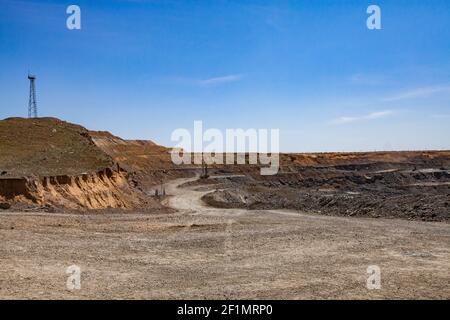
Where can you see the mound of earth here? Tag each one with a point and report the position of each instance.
(47, 147)
(149, 163)
(46, 162)
(133, 155)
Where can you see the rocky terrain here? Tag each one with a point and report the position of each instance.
(201, 252)
(70, 196)
(402, 190)
(147, 163)
(48, 164)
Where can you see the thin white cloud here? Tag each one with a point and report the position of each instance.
(208, 82)
(370, 116)
(440, 116)
(379, 114)
(220, 80)
(419, 93)
(367, 79)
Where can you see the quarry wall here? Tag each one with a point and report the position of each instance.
(103, 189)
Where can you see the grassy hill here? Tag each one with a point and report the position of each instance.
(47, 146)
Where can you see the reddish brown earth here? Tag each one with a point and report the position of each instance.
(51, 163)
(201, 252)
(148, 164)
(307, 232)
(48, 164)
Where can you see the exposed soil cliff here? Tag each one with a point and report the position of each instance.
(100, 190)
(47, 162)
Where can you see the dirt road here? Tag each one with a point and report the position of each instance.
(202, 252)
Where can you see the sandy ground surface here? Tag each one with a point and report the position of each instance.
(203, 252)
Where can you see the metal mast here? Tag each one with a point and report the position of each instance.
(32, 106)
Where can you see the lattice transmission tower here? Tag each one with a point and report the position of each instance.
(32, 105)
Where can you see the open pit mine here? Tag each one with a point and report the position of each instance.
(140, 227)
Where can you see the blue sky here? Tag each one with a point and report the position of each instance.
(142, 68)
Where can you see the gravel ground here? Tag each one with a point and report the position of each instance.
(201, 252)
